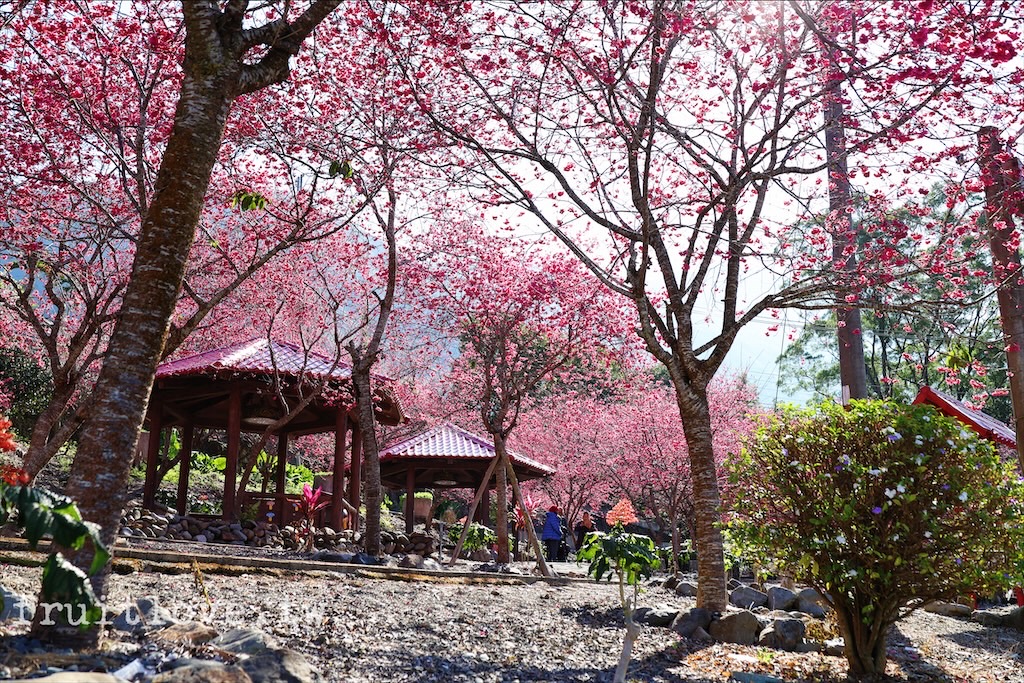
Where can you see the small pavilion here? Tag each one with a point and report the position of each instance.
(447, 457)
(236, 389)
(986, 426)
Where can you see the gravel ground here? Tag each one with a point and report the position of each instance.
(359, 630)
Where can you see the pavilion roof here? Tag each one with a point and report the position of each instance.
(257, 356)
(450, 441)
(986, 426)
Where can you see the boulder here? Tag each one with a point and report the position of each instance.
(809, 601)
(701, 636)
(77, 677)
(747, 677)
(687, 623)
(1014, 619)
(145, 615)
(433, 565)
(781, 598)
(741, 628)
(201, 671)
(660, 615)
(686, 589)
(189, 632)
(411, 561)
(247, 641)
(746, 597)
(948, 609)
(15, 606)
(783, 634)
(280, 666)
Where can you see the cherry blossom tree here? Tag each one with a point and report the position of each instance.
(87, 128)
(576, 434)
(669, 127)
(652, 464)
(520, 313)
(230, 51)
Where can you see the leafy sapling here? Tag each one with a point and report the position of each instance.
(629, 557)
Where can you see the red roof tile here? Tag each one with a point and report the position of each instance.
(985, 425)
(256, 356)
(449, 441)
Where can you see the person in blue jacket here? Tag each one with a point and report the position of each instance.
(552, 533)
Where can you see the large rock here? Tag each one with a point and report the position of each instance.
(76, 677)
(15, 606)
(948, 609)
(247, 641)
(661, 615)
(189, 632)
(686, 589)
(809, 601)
(670, 582)
(784, 634)
(687, 623)
(746, 597)
(145, 615)
(781, 598)
(280, 666)
(1014, 619)
(741, 628)
(204, 672)
(411, 561)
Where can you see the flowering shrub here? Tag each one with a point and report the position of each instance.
(622, 513)
(881, 507)
(43, 513)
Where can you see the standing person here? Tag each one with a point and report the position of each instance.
(552, 533)
(583, 527)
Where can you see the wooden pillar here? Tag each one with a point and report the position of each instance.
(152, 455)
(234, 442)
(185, 465)
(338, 480)
(280, 512)
(410, 498)
(356, 475)
(483, 512)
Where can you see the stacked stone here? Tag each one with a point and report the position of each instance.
(140, 523)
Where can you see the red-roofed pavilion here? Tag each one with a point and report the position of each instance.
(447, 456)
(986, 426)
(235, 389)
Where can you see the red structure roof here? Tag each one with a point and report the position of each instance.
(450, 441)
(260, 356)
(449, 456)
(985, 425)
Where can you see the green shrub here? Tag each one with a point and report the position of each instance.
(478, 537)
(881, 507)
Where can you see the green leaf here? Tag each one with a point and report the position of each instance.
(341, 168)
(66, 584)
(245, 200)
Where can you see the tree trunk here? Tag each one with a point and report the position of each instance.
(865, 644)
(501, 499)
(852, 373)
(371, 453)
(99, 474)
(712, 592)
(51, 431)
(676, 543)
(1000, 174)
